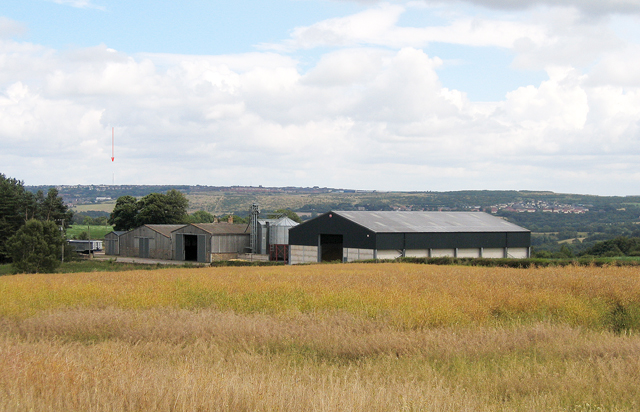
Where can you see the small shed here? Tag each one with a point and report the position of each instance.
(112, 242)
(207, 242)
(359, 235)
(148, 241)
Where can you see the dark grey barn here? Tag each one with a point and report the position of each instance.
(350, 236)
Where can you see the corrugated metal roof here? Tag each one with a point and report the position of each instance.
(117, 232)
(429, 222)
(165, 230)
(281, 221)
(223, 228)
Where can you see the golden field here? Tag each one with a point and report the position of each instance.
(357, 337)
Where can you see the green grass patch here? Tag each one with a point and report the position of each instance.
(6, 269)
(97, 232)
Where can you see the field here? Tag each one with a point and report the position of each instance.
(357, 337)
(99, 207)
(97, 232)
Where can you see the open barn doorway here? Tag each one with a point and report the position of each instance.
(330, 248)
(191, 248)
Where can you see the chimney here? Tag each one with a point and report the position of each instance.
(230, 218)
(216, 220)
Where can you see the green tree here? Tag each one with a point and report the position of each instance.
(154, 208)
(201, 216)
(157, 208)
(13, 202)
(236, 219)
(53, 208)
(83, 236)
(36, 247)
(286, 212)
(124, 213)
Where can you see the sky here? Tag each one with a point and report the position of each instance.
(418, 95)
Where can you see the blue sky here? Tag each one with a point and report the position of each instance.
(396, 95)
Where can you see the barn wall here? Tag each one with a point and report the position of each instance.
(353, 254)
(518, 252)
(417, 253)
(111, 244)
(303, 254)
(230, 243)
(468, 253)
(443, 252)
(494, 253)
(388, 254)
(160, 246)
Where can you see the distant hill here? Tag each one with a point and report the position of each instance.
(576, 220)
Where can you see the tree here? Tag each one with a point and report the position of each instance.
(13, 201)
(201, 216)
(36, 247)
(155, 208)
(18, 206)
(124, 213)
(83, 236)
(53, 208)
(288, 213)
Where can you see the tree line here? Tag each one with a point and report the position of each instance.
(31, 227)
(169, 208)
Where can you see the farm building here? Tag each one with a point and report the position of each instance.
(112, 242)
(273, 237)
(148, 241)
(358, 235)
(207, 242)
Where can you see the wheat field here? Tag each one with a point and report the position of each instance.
(354, 337)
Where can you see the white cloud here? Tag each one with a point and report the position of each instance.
(378, 27)
(81, 4)
(594, 7)
(10, 28)
(362, 116)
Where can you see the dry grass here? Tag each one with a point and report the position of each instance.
(320, 338)
(405, 295)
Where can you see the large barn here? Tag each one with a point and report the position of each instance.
(349, 236)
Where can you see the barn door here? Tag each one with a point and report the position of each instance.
(202, 248)
(179, 251)
(144, 247)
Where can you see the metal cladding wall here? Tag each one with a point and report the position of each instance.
(160, 246)
(112, 244)
(354, 236)
(450, 240)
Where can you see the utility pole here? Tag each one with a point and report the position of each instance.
(63, 239)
